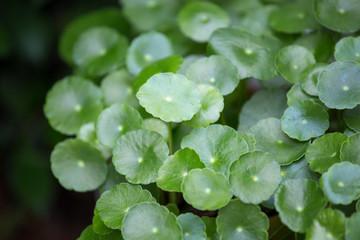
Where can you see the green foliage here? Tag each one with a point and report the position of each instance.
(157, 90)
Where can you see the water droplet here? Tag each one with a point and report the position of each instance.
(207, 190)
(140, 159)
(340, 184)
(120, 128)
(345, 88)
(81, 163)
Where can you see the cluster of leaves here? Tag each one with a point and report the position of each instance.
(150, 83)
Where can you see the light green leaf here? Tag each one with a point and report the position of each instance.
(324, 151)
(150, 221)
(147, 15)
(198, 20)
(254, 177)
(100, 50)
(211, 232)
(309, 78)
(239, 221)
(249, 139)
(296, 94)
(293, 17)
(216, 71)
(117, 88)
(98, 225)
(338, 85)
(217, 146)
(192, 227)
(176, 167)
(156, 125)
(348, 49)
(139, 154)
(352, 230)
(170, 97)
(146, 49)
(116, 202)
(206, 189)
(270, 138)
(329, 224)
(350, 149)
(298, 202)
(305, 120)
(78, 165)
(340, 15)
(115, 121)
(72, 102)
(292, 60)
(188, 61)
(211, 104)
(168, 64)
(341, 183)
(352, 118)
(254, 56)
(263, 104)
(110, 17)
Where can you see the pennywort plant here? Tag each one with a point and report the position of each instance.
(213, 119)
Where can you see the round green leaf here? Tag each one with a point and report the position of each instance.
(350, 150)
(263, 104)
(309, 78)
(188, 61)
(216, 71)
(192, 227)
(113, 178)
(78, 165)
(298, 202)
(254, 177)
(320, 43)
(148, 15)
(352, 118)
(211, 232)
(110, 17)
(206, 189)
(254, 56)
(292, 60)
(324, 151)
(176, 167)
(99, 51)
(198, 20)
(133, 149)
(249, 139)
(139, 154)
(89, 234)
(211, 104)
(294, 17)
(150, 221)
(217, 146)
(116, 202)
(117, 88)
(72, 102)
(168, 64)
(296, 94)
(156, 125)
(352, 230)
(115, 121)
(270, 138)
(98, 225)
(348, 49)
(329, 224)
(340, 15)
(338, 85)
(305, 120)
(242, 221)
(341, 183)
(146, 49)
(170, 97)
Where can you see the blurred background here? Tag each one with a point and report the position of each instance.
(32, 203)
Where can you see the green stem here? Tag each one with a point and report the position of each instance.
(330, 205)
(170, 139)
(273, 234)
(223, 118)
(173, 197)
(286, 236)
(296, 236)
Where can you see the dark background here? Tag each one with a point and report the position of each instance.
(32, 203)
